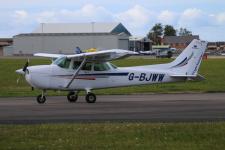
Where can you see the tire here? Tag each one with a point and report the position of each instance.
(90, 98)
(41, 99)
(169, 54)
(72, 97)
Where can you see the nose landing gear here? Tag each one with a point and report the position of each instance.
(41, 98)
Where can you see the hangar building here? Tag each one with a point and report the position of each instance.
(64, 37)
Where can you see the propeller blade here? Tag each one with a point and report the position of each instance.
(18, 79)
(25, 66)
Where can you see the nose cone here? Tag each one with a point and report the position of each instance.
(20, 71)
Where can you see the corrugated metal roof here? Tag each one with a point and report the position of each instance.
(66, 34)
(92, 27)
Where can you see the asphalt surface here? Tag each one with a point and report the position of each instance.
(150, 108)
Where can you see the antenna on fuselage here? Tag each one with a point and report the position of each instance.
(78, 50)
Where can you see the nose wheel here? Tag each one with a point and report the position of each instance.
(90, 98)
(41, 98)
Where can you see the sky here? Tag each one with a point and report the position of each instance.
(203, 17)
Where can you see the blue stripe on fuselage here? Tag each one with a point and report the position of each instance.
(100, 74)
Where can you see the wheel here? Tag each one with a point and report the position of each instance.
(90, 98)
(72, 97)
(41, 99)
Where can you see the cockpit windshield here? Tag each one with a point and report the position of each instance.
(62, 62)
(113, 66)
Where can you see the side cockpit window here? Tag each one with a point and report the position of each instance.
(63, 62)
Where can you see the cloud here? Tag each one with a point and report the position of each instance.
(87, 13)
(192, 17)
(167, 17)
(46, 16)
(136, 18)
(221, 18)
(19, 16)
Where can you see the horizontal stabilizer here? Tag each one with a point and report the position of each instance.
(190, 77)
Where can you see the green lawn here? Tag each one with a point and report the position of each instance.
(106, 136)
(165, 136)
(212, 69)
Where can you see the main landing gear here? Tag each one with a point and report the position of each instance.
(90, 98)
(71, 97)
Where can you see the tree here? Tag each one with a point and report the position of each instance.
(155, 33)
(184, 32)
(169, 31)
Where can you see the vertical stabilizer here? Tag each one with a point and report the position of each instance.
(188, 62)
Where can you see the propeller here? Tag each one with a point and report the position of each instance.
(25, 66)
(22, 71)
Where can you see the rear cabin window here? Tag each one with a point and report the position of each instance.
(101, 67)
(76, 64)
(87, 66)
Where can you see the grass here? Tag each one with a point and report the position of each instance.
(165, 136)
(212, 69)
(110, 136)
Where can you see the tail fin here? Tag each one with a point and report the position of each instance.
(188, 62)
(78, 50)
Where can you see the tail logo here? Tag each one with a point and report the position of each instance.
(184, 61)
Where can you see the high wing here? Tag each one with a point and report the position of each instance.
(104, 55)
(48, 55)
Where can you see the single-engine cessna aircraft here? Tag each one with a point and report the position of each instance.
(88, 71)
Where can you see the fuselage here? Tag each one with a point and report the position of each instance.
(94, 76)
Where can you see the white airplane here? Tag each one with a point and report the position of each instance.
(88, 71)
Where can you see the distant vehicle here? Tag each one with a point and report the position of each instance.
(173, 49)
(88, 71)
(161, 53)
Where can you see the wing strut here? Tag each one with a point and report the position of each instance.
(76, 73)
